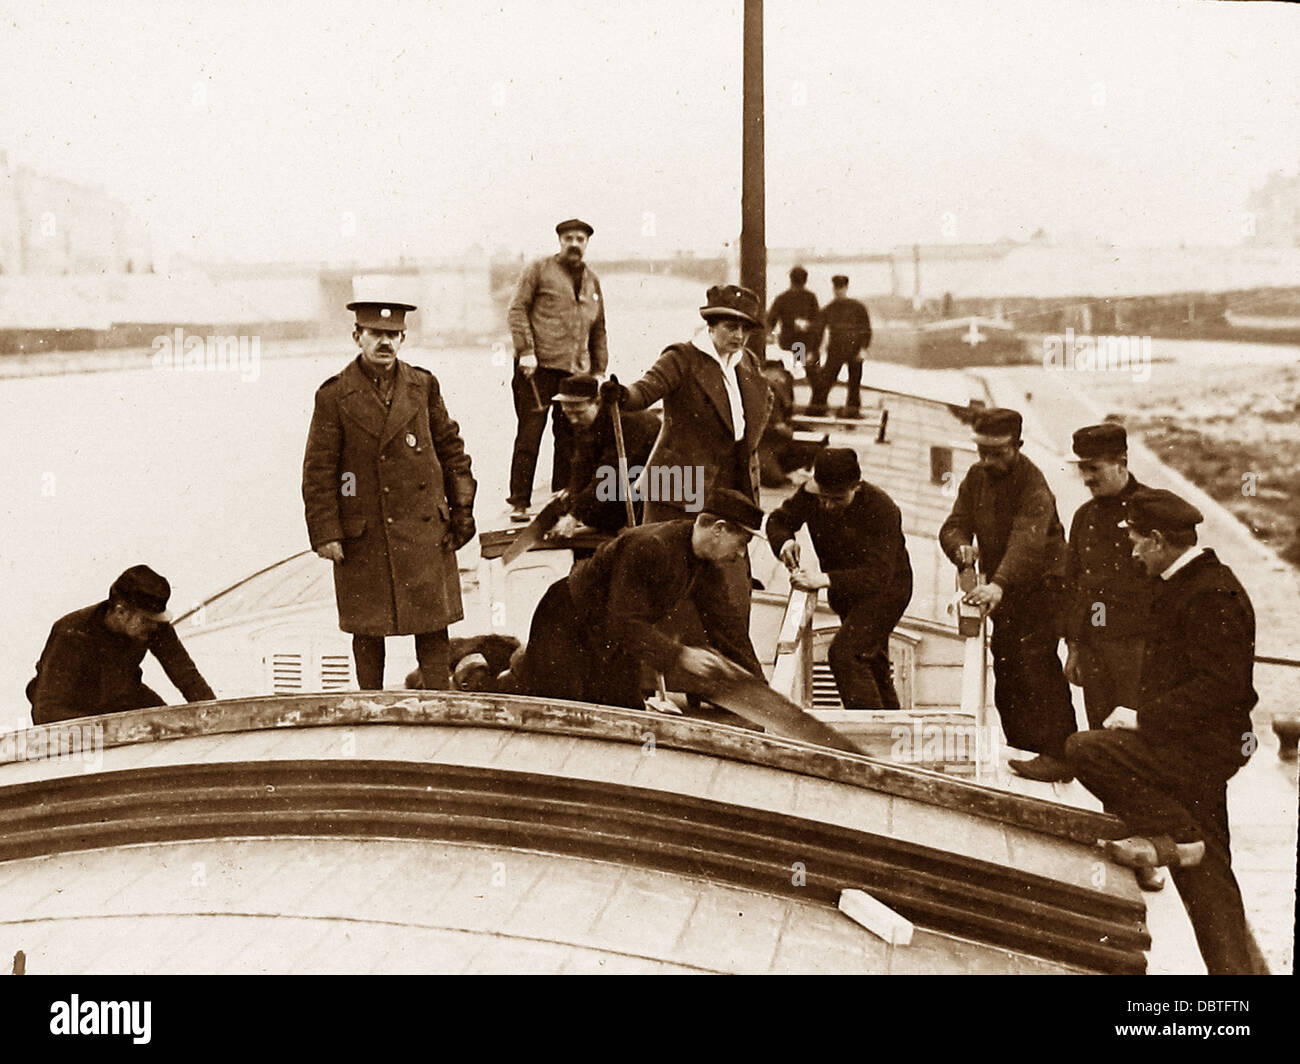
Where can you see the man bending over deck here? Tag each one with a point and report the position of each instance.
(857, 531)
(594, 628)
(91, 662)
(1163, 765)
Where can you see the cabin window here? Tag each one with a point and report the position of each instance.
(940, 465)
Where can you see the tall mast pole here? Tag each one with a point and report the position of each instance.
(753, 220)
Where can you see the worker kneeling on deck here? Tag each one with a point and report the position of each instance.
(91, 662)
(593, 629)
(857, 532)
(595, 493)
(1163, 765)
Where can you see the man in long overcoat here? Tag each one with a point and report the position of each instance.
(389, 498)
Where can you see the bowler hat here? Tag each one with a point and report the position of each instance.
(732, 301)
(1091, 442)
(834, 472)
(1154, 509)
(387, 317)
(578, 388)
(998, 426)
(144, 590)
(736, 508)
(573, 223)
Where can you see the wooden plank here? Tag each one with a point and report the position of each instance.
(876, 917)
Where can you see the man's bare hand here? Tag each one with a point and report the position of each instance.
(986, 595)
(1123, 718)
(703, 663)
(331, 551)
(527, 364)
(806, 581)
(790, 555)
(565, 527)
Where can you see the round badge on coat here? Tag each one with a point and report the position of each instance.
(410, 439)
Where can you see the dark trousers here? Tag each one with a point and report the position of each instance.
(1161, 790)
(826, 377)
(528, 435)
(859, 653)
(559, 662)
(1029, 686)
(432, 651)
(1111, 671)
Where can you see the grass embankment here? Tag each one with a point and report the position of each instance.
(1234, 432)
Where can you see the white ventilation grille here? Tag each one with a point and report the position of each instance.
(286, 673)
(825, 695)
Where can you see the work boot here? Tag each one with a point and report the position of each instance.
(1042, 768)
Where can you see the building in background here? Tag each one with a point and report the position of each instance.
(50, 226)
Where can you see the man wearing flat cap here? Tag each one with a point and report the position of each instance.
(595, 498)
(1162, 765)
(1108, 591)
(1005, 506)
(857, 532)
(557, 325)
(389, 498)
(594, 629)
(848, 335)
(91, 661)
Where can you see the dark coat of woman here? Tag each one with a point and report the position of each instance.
(383, 481)
(698, 432)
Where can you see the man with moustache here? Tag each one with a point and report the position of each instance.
(1162, 765)
(389, 499)
(1108, 591)
(857, 532)
(1005, 506)
(557, 324)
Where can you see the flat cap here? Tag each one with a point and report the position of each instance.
(143, 589)
(998, 426)
(578, 388)
(1154, 509)
(573, 223)
(839, 281)
(835, 470)
(389, 317)
(736, 508)
(1107, 440)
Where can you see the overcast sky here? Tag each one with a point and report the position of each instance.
(363, 129)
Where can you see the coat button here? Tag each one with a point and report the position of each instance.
(390, 520)
(387, 489)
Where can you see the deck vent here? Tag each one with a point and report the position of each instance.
(286, 672)
(825, 695)
(335, 672)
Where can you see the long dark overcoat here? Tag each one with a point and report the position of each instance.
(698, 430)
(383, 482)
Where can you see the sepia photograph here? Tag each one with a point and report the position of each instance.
(763, 487)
